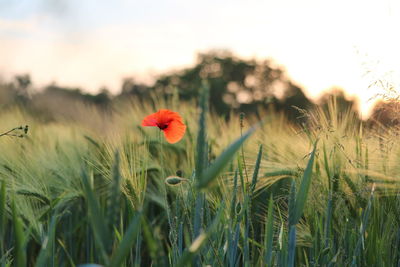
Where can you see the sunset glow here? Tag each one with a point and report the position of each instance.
(91, 44)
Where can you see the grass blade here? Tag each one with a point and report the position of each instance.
(256, 170)
(292, 246)
(19, 250)
(151, 243)
(114, 199)
(233, 246)
(212, 172)
(3, 205)
(269, 233)
(198, 213)
(304, 187)
(127, 241)
(292, 204)
(201, 153)
(200, 241)
(96, 217)
(46, 252)
(234, 196)
(363, 227)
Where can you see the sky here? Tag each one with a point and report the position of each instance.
(91, 44)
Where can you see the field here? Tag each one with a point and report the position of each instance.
(104, 190)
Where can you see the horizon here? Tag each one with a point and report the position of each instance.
(97, 44)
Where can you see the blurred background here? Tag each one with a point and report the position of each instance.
(283, 55)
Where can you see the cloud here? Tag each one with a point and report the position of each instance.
(7, 25)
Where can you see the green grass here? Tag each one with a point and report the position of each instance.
(103, 190)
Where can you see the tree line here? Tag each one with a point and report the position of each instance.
(236, 85)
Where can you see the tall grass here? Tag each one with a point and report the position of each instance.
(112, 193)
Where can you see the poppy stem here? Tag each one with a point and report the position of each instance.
(164, 187)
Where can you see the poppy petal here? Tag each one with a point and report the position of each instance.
(170, 122)
(166, 115)
(151, 120)
(175, 131)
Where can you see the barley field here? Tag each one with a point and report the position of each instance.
(246, 191)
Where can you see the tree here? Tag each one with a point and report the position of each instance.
(235, 84)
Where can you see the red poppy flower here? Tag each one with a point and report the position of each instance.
(169, 122)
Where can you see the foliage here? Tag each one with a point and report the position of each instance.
(235, 84)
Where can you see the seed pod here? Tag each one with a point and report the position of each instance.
(174, 180)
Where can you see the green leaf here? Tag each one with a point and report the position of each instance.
(256, 170)
(46, 251)
(212, 172)
(127, 241)
(3, 203)
(234, 196)
(96, 217)
(304, 187)
(200, 241)
(114, 200)
(151, 243)
(292, 246)
(292, 204)
(201, 153)
(269, 233)
(326, 164)
(363, 227)
(20, 251)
